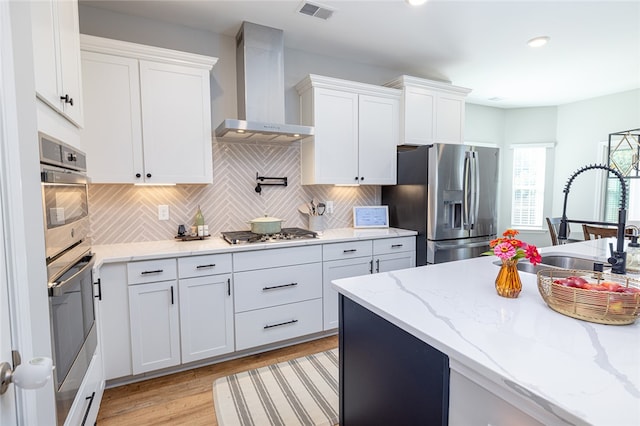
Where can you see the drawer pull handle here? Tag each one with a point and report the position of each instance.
(350, 251)
(371, 266)
(157, 271)
(86, 412)
(274, 287)
(211, 265)
(377, 265)
(396, 245)
(280, 324)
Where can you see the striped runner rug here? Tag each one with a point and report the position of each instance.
(303, 391)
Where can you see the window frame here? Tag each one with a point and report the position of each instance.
(541, 204)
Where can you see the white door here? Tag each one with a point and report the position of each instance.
(176, 123)
(206, 317)
(8, 400)
(155, 329)
(378, 131)
(335, 270)
(336, 138)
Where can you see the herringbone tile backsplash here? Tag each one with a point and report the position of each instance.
(128, 213)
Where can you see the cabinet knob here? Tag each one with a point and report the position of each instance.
(355, 178)
(148, 175)
(138, 175)
(67, 99)
(361, 177)
(72, 157)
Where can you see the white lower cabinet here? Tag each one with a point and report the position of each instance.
(278, 295)
(355, 258)
(114, 325)
(161, 313)
(155, 329)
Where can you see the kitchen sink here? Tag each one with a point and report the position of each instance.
(555, 261)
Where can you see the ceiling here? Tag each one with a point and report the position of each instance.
(594, 46)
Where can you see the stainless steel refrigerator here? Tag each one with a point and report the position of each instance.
(448, 194)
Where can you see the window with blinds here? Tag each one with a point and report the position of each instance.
(527, 201)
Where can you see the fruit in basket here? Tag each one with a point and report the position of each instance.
(573, 281)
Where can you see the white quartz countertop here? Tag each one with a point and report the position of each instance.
(127, 252)
(561, 369)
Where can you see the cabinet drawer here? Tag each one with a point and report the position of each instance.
(199, 266)
(392, 245)
(272, 258)
(264, 326)
(277, 286)
(151, 271)
(346, 250)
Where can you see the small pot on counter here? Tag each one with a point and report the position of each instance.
(266, 225)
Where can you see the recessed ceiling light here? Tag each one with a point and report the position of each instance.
(416, 2)
(538, 41)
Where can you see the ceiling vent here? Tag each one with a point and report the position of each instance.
(315, 10)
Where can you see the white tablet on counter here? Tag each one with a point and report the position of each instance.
(371, 217)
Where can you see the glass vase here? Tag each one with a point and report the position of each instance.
(508, 282)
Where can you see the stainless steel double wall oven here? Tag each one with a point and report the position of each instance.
(69, 267)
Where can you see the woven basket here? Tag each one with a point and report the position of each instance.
(599, 306)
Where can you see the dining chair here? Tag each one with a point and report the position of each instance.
(598, 232)
(554, 228)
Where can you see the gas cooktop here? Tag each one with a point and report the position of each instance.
(241, 237)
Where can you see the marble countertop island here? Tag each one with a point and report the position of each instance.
(557, 369)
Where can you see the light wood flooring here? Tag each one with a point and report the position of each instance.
(186, 398)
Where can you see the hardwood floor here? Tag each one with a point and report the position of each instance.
(186, 398)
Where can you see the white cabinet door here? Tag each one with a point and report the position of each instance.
(334, 270)
(155, 331)
(56, 55)
(335, 160)
(206, 317)
(45, 57)
(113, 321)
(395, 261)
(113, 134)
(70, 60)
(378, 135)
(450, 118)
(419, 116)
(176, 123)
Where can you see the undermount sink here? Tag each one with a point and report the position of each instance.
(556, 261)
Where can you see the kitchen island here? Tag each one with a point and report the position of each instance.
(510, 361)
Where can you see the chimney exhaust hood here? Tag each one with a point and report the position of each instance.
(260, 80)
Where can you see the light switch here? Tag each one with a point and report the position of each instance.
(329, 206)
(163, 212)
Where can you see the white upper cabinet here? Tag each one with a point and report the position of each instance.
(147, 113)
(356, 132)
(430, 111)
(56, 57)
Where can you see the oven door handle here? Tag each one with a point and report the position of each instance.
(58, 289)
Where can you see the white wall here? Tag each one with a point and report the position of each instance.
(582, 127)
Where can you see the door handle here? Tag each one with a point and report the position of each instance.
(99, 296)
(172, 295)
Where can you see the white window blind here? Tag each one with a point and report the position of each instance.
(527, 199)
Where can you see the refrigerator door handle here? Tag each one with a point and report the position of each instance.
(475, 190)
(466, 192)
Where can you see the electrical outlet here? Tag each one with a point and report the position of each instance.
(329, 206)
(163, 212)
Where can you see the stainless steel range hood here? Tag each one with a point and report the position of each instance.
(260, 76)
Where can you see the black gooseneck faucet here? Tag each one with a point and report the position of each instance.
(618, 259)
